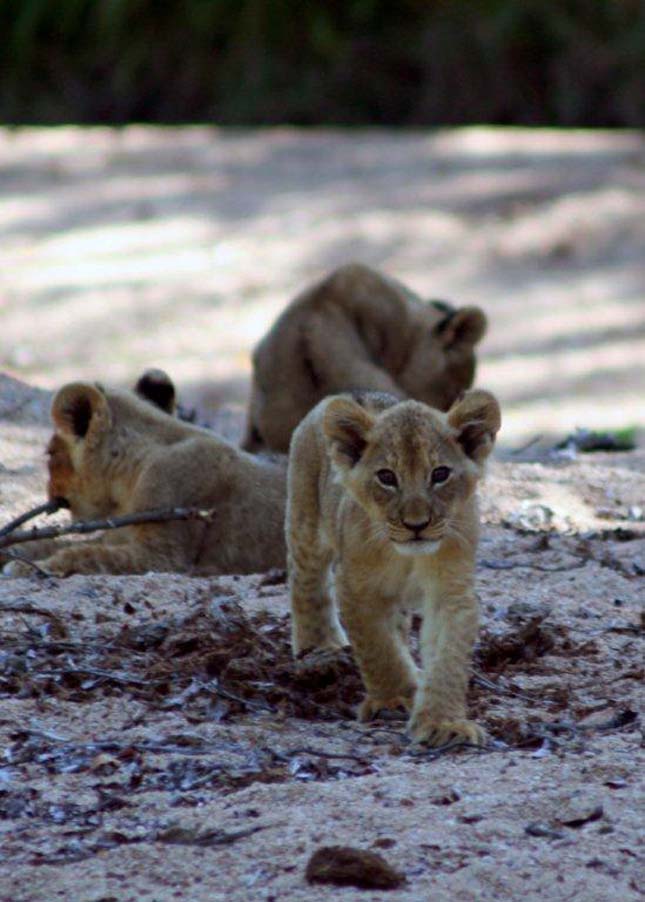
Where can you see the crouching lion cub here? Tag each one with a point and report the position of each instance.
(384, 492)
(119, 452)
(358, 329)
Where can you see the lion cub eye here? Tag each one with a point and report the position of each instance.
(387, 478)
(440, 474)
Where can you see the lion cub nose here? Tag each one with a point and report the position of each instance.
(417, 526)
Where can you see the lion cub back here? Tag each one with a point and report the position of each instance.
(358, 329)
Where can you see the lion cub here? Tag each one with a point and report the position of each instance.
(118, 452)
(384, 492)
(358, 329)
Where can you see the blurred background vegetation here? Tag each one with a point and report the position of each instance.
(407, 62)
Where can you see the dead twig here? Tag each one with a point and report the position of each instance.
(430, 753)
(174, 835)
(18, 557)
(185, 836)
(28, 609)
(49, 507)
(517, 565)
(527, 445)
(247, 702)
(81, 527)
(570, 729)
(101, 674)
(320, 753)
(480, 680)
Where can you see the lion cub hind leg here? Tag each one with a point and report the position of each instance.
(314, 618)
(116, 557)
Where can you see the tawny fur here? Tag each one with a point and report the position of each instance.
(393, 548)
(114, 453)
(358, 329)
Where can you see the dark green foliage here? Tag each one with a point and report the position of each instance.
(564, 62)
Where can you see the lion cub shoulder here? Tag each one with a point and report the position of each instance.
(358, 329)
(385, 490)
(115, 453)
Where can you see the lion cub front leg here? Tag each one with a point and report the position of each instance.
(376, 634)
(314, 618)
(449, 630)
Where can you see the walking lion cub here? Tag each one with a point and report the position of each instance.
(384, 492)
(117, 452)
(358, 329)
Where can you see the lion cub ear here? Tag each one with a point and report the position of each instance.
(465, 327)
(79, 409)
(346, 425)
(476, 417)
(157, 387)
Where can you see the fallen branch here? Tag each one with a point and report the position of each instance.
(49, 507)
(82, 527)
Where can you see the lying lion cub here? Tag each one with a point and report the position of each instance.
(358, 329)
(114, 453)
(385, 492)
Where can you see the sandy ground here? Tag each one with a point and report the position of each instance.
(157, 742)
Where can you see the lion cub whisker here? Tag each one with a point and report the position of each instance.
(340, 515)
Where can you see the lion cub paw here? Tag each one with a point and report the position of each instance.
(436, 732)
(17, 569)
(370, 706)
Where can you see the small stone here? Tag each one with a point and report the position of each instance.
(539, 829)
(345, 866)
(471, 817)
(580, 811)
(616, 783)
(532, 517)
(384, 842)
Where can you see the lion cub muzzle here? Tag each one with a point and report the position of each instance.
(416, 546)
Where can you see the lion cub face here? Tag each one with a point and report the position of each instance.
(411, 467)
(86, 452)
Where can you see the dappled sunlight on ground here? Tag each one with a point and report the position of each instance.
(177, 247)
